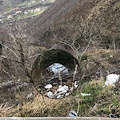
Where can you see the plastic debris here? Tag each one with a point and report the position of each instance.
(111, 56)
(56, 67)
(62, 88)
(112, 79)
(72, 114)
(48, 86)
(62, 92)
(67, 94)
(85, 94)
(60, 96)
(49, 94)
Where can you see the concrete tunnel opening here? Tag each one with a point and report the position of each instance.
(55, 73)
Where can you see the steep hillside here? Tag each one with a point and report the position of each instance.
(81, 21)
(8, 4)
(48, 17)
(20, 9)
(91, 29)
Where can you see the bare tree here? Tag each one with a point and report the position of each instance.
(18, 52)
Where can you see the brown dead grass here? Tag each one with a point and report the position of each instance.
(38, 105)
(41, 104)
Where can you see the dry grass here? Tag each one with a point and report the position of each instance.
(36, 107)
(102, 102)
(101, 99)
(6, 110)
(40, 104)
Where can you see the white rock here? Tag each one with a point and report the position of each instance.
(112, 79)
(49, 94)
(48, 86)
(85, 94)
(56, 67)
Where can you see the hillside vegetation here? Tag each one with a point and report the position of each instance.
(79, 21)
(89, 30)
(102, 101)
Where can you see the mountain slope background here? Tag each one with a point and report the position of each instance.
(9, 4)
(80, 21)
(12, 10)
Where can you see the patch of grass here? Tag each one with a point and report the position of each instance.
(102, 101)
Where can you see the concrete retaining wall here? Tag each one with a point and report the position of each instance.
(57, 118)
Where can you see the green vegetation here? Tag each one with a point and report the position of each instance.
(102, 101)
(88, 27)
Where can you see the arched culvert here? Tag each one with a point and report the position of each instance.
(55, 73)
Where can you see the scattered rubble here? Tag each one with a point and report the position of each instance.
(59, 91)
(59, 82)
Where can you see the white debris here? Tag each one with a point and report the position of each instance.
(49, 94)
(67, 94)
(75, 84)
(48, 86)
(18, 80)
(30, 95)
(111, 56)
(73, 114)
(85, 94)
(112, 79)
(56, 67)
(62, 92)
(62, 88)
(60, 96)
